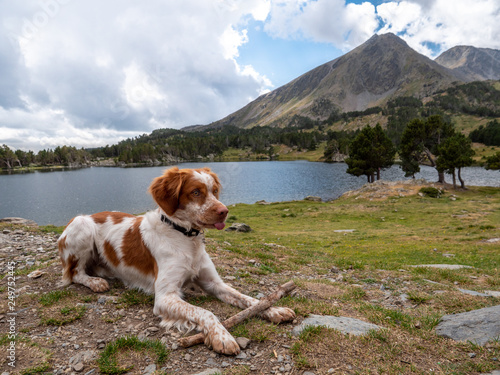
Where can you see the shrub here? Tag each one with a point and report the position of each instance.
(431, 192)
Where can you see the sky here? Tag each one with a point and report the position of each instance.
(90, 73)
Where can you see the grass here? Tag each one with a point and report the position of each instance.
(132, 297)
(63, 316)
(51, 298)
(412, 228)
(108, 359)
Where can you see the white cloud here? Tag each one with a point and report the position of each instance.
(325, 21)
(121, 65)
(419, 22)
(443, 23)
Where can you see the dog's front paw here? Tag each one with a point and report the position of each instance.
(98, 284)
(278, 314)
(221, 341)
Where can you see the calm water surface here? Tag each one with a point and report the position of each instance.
(56, 197)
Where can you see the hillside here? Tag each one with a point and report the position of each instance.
(471, 63)
(384, 67)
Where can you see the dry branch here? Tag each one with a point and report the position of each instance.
(262, 305)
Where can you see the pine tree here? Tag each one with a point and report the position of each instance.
(455, 153)
(370, 152)
(420, 141)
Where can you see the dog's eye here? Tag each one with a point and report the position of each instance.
(216, 191)
(196, 193)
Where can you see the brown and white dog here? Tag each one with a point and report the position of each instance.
(161, 252)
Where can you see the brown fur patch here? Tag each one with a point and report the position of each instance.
(117, 217)
(135, 252)
(61, 244)
(70, 267)
(110, 253)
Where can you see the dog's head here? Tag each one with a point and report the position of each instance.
(190, 195)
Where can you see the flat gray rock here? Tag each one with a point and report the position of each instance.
(474, 293)
(444, 266)
(345, 325)
(477, 326)
(209, 371)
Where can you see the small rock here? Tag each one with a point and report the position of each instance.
(472, 355)
(242, 355)
(78, 367)
(259, 296)
(242, 342)
(149, 369)
(239, 227)
(188, 357)
(225, 364)
(211, 362)
(313, 198)
(209, 371)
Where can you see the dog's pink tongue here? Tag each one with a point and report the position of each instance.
(219, 226)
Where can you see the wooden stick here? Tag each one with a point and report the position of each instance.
(262, 305)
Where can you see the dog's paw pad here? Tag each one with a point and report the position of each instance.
(221, 341)
(97, 284)
(278, 314)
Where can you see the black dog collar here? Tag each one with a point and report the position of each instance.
(189, 233)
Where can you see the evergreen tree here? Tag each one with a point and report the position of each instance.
(455, 153)
(370, 152)
(420, 141)
(7, 157)
(493, 162)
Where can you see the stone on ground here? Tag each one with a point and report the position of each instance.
(343, 324)
(443, 266)
(477, 326)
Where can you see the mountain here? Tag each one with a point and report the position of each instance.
(471, 63)
(382, 68)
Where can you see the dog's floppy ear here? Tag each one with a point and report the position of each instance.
(166, 190)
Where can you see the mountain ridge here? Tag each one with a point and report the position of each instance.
(382, 68)
(470, 63)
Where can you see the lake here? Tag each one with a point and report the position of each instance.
(55, 197)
